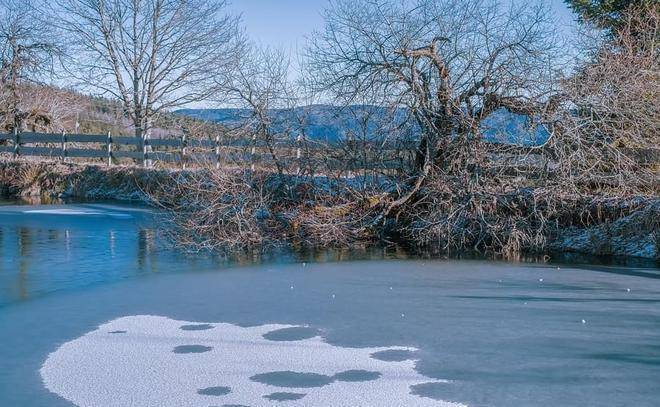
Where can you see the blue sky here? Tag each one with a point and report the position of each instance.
(285, 23)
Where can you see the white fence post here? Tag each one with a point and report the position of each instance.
(64, 145)
(146, 149)
(109, 145)
(184, 150)
(298, 153)
(17, 142)
(253, 152)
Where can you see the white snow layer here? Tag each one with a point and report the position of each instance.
(151, 361)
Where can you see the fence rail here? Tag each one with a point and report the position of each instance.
(293, 152)
(109, 147)
(182, 151)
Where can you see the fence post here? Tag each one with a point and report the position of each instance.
(109, 149)
(64, 145)
(17, 140)
(298, 153)
(217, 152)
(184, 150)
(351, 148)
(146, 148)
(253, 152)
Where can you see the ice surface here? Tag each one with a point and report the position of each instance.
(78, 212)
(141, 367)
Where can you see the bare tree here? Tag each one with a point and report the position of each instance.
(152, 55)
(611, 128)
(50, 109)
(27, 53)
(451, 63)
(261, 87)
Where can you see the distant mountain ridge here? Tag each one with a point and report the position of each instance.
(332, 123)
(322, 122)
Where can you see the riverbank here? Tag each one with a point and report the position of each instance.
(49, 180)
(613, 227)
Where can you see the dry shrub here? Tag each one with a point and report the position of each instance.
(27, 176)
(228, 211)
(31, 178)
(485, 218)
(334, 221)
(215, 210)
(608, 136)
(495, 218)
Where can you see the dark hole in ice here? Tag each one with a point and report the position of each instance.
(393, 355)
(284, 396)
(214, 391)
(292, 379)
(117, 332)
(432, 390)
(356, 376)
(192, 349)
(200, 327)
(291, 334)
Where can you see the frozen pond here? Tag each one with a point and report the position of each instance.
(94, 312)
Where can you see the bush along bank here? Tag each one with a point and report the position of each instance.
(50, 180)
(228, 210)
(236, 210)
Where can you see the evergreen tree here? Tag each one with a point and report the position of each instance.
(605, 14)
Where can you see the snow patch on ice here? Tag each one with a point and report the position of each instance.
(242, 367)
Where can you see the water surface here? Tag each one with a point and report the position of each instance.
(501, 334)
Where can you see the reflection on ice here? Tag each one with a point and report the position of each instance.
(78, 212)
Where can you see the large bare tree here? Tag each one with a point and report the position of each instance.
(451, 63)
(152, 55)
(27, 54)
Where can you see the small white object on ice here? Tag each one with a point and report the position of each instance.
(391, 288)
(304, 264)
(292, 287)
(628, 289)
(499, 281)
(333, 296)
(584, 322)
(540, 280)
(403, 315)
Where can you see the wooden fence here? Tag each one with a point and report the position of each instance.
(183, 151)
(293, 153)
(111, 148)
